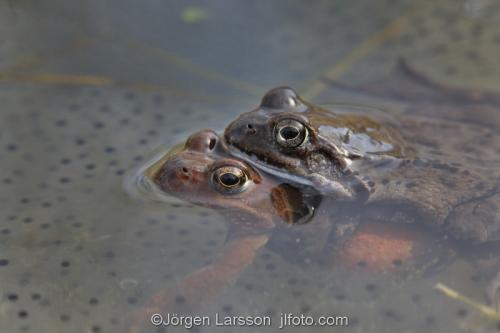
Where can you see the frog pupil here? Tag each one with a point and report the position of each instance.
(289, 133)
(229, 179)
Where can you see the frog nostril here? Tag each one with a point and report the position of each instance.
(251, 129)
(184, 170)
(212, 143)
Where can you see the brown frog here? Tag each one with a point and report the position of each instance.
(296, 140)
(200, 173)
(399, 168)
(259, 208)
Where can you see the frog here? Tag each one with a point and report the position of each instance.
(439, 171)
(261, 209)
(199, 172)
(311, 145)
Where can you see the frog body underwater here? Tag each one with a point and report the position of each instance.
(261, 209)
(440, 171)
(435, 169)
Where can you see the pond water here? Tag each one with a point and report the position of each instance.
(91, 90)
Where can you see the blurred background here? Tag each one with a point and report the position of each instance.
(88, 89)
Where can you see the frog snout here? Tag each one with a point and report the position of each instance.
(251, 129)
(177, 177)
(237, 133)
(187, 176)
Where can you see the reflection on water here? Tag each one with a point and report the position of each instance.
(90, 90)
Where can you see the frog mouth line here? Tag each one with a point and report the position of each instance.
(271, 170)
(343, 190)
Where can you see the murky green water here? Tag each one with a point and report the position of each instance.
(88, 90)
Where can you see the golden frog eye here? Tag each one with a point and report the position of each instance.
(229, 179)
(290, 133)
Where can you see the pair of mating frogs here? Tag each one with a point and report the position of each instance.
(292, 167)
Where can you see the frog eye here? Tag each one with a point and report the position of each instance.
(290, 133)
(229, 179)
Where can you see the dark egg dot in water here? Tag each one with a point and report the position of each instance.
(22, 314)
(270, 267)
(79, 141)
(12, 297)
(137, 110)
(183, 232)
(390, 314)
(461, 313)
(362, 263)
(109, 255)
(64, 180)
(152, 221)
(397, 262)
(305, 308)
(109, 150)
(371, 287)
(11, 147)
(124, 121)
(61, 123)
(158, 99)
(129, 95)
(64, 317)
(4, 262)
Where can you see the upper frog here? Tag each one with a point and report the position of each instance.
(403, 167)
(296, 139)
